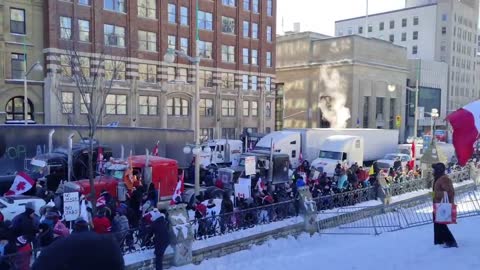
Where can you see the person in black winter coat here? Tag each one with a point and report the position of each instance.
(81, 251)
(24, 224)
(226, 211)
(7, 248)
(45, 235)
(161, 239)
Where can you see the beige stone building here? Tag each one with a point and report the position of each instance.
(21, 37)
(332, 81)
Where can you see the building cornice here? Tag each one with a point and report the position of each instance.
(346, 62)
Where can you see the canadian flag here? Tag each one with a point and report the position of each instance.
(178, 190)
(21, 184)
(466, 128)
(411, 163)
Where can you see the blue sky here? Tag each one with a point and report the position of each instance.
(320, 15)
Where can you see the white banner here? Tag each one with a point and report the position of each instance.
(250, 168)
(242, 191)
(71, 206)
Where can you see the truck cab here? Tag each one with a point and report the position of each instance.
(283, 142)
(222, 152)
(338, 149)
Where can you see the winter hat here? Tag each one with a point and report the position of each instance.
(21, 241)
(30, 205)
(439, 168)
(86, 250)
(81, 225)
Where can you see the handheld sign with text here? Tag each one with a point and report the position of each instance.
(71, 206)
(250, 168)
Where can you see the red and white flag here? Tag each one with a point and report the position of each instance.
(411, 163)
(466, 129)
(21, 184)
(155, 150)
(178, 190)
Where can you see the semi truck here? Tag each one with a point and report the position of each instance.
(305, 144)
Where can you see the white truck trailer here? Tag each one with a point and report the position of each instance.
(308, 142)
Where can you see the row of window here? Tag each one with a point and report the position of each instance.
(227, 133)
(251, 5)
(391, 37)
(253, 31)
(381, 26)
(116, 104)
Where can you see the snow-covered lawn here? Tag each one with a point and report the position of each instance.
(402, 250)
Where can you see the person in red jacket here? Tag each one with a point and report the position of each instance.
(101, 224)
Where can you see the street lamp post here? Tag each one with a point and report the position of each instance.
(392, 88)
(37, 66)
(170, 57)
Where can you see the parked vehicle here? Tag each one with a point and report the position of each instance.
(389, 159)
(222, 153)
(11, 206)
(305, 144)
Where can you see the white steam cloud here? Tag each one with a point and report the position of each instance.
(332, 101)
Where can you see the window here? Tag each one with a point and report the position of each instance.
(246, 108)
(228, 54)
(404, 36)
(147, 8)
(392, 24)
(114, 5)
(269, 7)
(254, 80)
(148, 105)
(206, 78)
(84, 2)
(360, 30)
(246, 29)
(228, 3)
(228, 107)
(184, 15)
(17, 21)
(116, 104)
(177, 107)
(444, 30)
(184, 44)
(254, 57)
(404, 22)
(84, 102)
(381, 26)
(414, 49)
(228, 133)
(147, 73)
(114, 70)
(172, 42)
(147, 41)
(268, 109)
(206, 107)
(206, 134)
(268, 84)
(228, 80)
(228, 25)
(269, 33)
(246, 5)
(182, 74)
(415, 20)
(246, 56)
(268, 59)
(172, 13)
(254, 106)
(244, 82)
(391, 38)
(370, 28)
(205, 49)
(444, 17)
(415, 35)
(254, 30)
(114, 35)
(15, 109)
(205, 20)
(84, 64)
(17, 65)
(66, 65)
(84, 30)
(67, 102)
(65, 27)
(255, 6)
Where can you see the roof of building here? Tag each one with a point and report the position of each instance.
(387, 12)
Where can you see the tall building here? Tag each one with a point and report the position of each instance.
(237, 68)
(432, 30)
(21, 44)
(348, 81)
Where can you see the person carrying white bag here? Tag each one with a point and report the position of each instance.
(443, 199)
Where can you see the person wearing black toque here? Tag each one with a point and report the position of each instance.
(81, 251)
(441, 184)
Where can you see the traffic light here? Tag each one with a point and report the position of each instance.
(398, 121)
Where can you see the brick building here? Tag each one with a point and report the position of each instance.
(236, 45)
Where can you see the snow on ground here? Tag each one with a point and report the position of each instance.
(400, 250)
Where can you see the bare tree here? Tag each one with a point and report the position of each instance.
(93, 85)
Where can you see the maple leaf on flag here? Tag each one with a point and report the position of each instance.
(20, 186)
